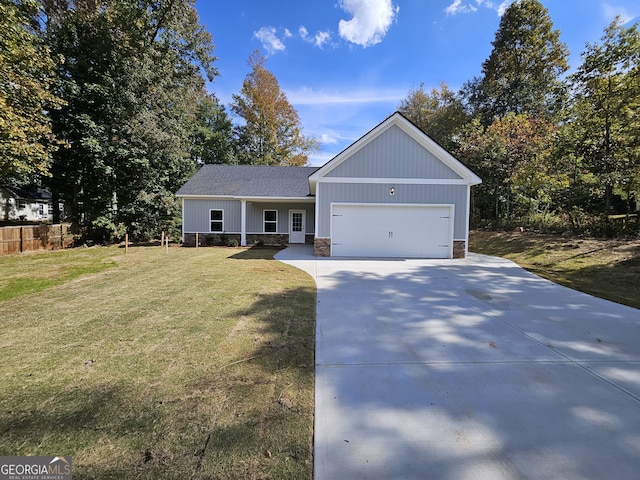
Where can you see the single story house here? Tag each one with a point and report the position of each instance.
(393, 193)
(31, 204)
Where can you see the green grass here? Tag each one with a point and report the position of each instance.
(608, 269)
(193, 364)
(36, 271)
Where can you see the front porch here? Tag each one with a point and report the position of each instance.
(247, 222)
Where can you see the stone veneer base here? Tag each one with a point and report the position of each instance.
(322, 247)
(217, 239)
(459, 248)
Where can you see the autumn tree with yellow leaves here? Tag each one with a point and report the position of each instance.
(271, 133)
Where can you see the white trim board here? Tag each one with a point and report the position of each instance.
(399, 181)
(250, 199)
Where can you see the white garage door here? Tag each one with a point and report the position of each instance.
(366, 230)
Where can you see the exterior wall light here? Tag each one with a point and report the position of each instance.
(392, 191)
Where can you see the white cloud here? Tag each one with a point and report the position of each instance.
(612, 11)
(469, 7)
(328, 138)
(308, 96)
(502, 7)
(287, 33)
(270, 41)
(457, 7)
(370, 20)
(321, 38)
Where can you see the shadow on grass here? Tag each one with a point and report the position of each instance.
(277, 433)
(503, 245)
(617, 282)
(73, 410)
(155, 243)
(605, 269)
(252, 419)
(257, 253)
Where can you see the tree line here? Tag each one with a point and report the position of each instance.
(104, 102)
(557, 151)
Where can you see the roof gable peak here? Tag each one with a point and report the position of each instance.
(399, 120)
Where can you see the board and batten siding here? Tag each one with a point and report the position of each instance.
(394, 154)
(196, 219)
(255, 215)
(329, 193)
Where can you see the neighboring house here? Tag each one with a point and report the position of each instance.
(393, 193)
(31, 204)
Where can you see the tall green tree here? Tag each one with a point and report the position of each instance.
(440, 113)
(132, 78)
(512, 157)
(272, 132)
(522, 73)
(606, 111)
(26, 76)
(213, 137)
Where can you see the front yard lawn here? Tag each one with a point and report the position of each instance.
(196, 363)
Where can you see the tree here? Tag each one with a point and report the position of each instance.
(606, 111)
(272, 132)
(26, 75)
(132, 79)
(522, 73)
(440, 113)
(512, 158)
(212, 136)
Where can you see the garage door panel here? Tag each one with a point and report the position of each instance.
(392, 230)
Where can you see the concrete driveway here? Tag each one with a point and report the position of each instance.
(469, 369)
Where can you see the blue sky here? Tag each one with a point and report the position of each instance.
(345, 65)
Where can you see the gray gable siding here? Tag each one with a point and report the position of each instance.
(393, 154)
(379, 193)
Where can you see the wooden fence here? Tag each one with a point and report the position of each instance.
(35, 237)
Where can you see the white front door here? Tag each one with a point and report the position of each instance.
(297, 220)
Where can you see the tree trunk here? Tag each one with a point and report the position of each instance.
(608, 196)
(55, 203)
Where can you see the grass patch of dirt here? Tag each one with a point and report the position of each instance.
(196, 363)
(608, 269)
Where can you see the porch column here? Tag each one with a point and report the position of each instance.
(243, 223)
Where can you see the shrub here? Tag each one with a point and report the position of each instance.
(209, 240)
(575, 221)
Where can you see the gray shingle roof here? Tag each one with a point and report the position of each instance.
(31, 192)
(249, 181)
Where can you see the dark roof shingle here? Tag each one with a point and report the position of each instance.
(249, 181)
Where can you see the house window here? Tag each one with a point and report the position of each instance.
(22, 204)
(40, 210)
(50, 208)
(270, 221)
(217, 220)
